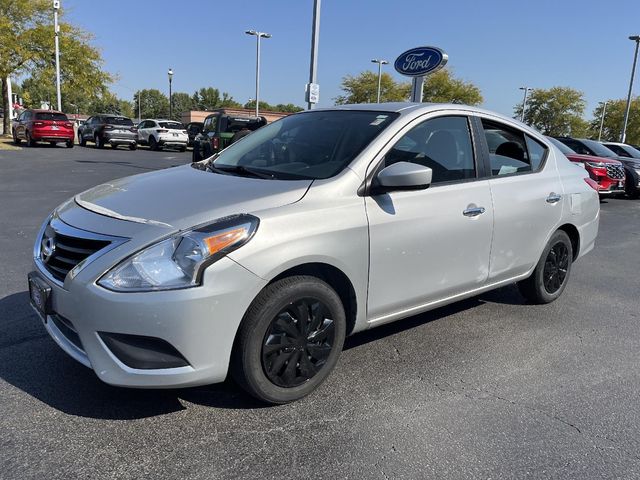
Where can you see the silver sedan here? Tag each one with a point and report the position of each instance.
(260, 260)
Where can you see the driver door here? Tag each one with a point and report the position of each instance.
(432, 244)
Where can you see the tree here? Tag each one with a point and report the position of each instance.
(613, 120)
(556, 111)
(18, 19)
(109, 103)
(441, 87)
(363, 88)
(153, 103)
(181, 102)
(280, 107)
(209, 99)
(27, 45)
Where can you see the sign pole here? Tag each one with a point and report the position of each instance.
(416, 89)
(313, 67)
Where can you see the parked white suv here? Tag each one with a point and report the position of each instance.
(316, 226)
(162, 133)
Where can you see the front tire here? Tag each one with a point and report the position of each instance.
(550, 277)
(195, 153)
(290, 340)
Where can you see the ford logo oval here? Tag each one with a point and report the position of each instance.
(420, 61)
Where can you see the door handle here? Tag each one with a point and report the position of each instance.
(473, 211)
(554, 198)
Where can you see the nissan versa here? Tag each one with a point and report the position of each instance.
(260, 260)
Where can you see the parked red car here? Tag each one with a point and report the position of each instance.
(606, 172)
(42, 126)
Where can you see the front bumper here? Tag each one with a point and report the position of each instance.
(200, 323)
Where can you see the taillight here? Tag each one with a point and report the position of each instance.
(215, 143)
(38, 124)
(108, 127)
(592, 183)
(68, 125)
(161, 130)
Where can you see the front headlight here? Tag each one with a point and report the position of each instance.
(179, 261)
(596, 164)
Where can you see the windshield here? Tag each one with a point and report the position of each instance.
(118, 121)
(59, 117)
(309, 145)
(561, 146)
(599, 149)
(171, 125)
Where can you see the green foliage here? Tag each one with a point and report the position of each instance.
(209, 99)
(363, 88)
(27, 46)
(280, 107)
(153, 103)
(181, 102)
(613, 120)
(109, 103)
(556, 111)
(441, 87)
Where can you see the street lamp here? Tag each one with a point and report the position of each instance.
(258, 36)
(623, 136)
(170, 74)
(524, 102)
(56, 29)
(380, 63)
(604, 112)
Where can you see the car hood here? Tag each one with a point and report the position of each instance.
(575, 157)
(183, 197)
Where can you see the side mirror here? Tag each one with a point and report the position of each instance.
(403, 176)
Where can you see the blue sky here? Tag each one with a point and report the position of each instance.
(499, 45)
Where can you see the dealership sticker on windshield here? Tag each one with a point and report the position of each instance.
(379, 119)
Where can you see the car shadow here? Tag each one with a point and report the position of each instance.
(31, 362)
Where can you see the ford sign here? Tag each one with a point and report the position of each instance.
(420, 61)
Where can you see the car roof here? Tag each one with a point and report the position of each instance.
(160, 120)
(405, 108)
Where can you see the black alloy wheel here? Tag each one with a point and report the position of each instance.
(298, 342)
(555, 267)
(98, 141)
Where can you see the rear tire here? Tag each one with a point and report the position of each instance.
(133, 146)
(98, 141)
(53, 144)
(81, 140)
(290, 340)
(153, 145)
(183, 149)
(69, 143)
(16, 140)
(114, 146)
(550, 277)
(30, 141)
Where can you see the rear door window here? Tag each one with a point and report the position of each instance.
(507, 149)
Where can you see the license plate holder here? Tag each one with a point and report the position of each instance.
(40, 295)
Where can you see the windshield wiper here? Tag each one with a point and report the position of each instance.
(242, 170)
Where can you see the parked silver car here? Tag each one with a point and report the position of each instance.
(260, 260)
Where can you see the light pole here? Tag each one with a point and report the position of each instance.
(524, 102)
(380, 63)
(170, 74)
(258, 36)
(313, 89)
(623, 136)
(56, 28)
(604, 112)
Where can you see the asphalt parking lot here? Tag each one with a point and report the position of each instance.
(487, 388)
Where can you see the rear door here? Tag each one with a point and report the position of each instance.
(527, 194)
(432, 244)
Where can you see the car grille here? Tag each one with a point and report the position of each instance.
(615, 171)
(60, 253)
